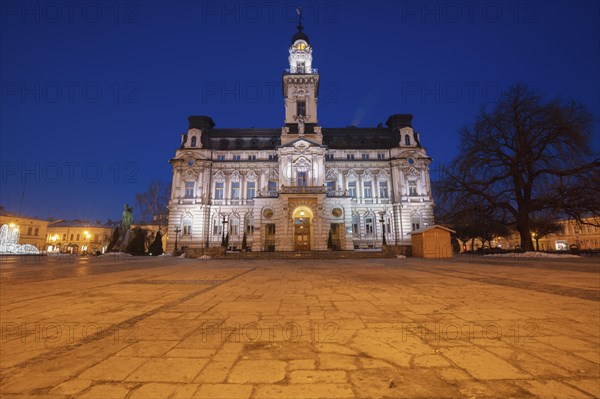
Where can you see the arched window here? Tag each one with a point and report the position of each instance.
(193, 144)
(407, 139)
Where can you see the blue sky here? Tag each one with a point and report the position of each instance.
(94, 96)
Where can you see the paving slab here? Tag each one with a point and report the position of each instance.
(363, 328)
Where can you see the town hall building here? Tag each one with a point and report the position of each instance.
(300, 186)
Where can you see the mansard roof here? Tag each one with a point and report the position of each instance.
(380, 137)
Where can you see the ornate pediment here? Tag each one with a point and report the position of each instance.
(352, 175)
(302, 163)
(219, 176)
(190, 174)
(332, 174)
(411, 171)
(251, 176)
(235, 176)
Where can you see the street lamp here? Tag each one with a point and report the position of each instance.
(177, 230)
(87, 236)
(382, 213)
(224, 223)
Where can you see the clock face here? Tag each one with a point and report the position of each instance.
(301, 46)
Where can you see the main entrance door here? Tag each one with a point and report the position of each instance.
(302, 221)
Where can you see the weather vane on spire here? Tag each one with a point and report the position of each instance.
(299, 12)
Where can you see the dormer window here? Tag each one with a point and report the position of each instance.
(193, 143)
(300, 67)
(407, 139)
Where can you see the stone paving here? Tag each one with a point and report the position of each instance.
(369, 328)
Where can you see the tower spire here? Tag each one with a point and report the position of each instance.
(299, 12)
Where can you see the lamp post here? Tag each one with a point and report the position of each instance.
(224, 223)
(382, 213)
(87, 236)
(177, 230)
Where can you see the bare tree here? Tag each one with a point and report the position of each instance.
(528, 155)
(153, 204)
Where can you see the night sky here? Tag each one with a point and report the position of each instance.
(94, 97)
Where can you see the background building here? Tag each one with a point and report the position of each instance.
(78, 236)
(32, 230)
(289, 188)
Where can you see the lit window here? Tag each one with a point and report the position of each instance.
(189, 189)
(220, 157)
(219, 190)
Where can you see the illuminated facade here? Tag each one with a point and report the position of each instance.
(32, 231)
(293, 187)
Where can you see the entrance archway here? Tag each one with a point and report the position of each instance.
(302, 217)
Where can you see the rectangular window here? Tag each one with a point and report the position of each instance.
(412, 188)
(329, 157)
(369, 225)
(301, 108)
(64, 237)
(272, 157)
(237, 157)
(189, 189)
(219, 190)
(330, 186)
(365, 156)
(270, 229)
(352, 189)
(220, 157)
(383, 189)
(302, 178)
(350, 156)
(252, 157)
(368, 189)
(187, 229)
(36, 231)
(77, 237)
(300, 67)
(29, 230)
(235, 190)
(272, 187)
(251, 189)
(216, 228)
(380, 156)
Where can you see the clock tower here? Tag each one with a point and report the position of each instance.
(301, 90)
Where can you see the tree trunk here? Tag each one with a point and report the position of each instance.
(537, 244)
(526, 241)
